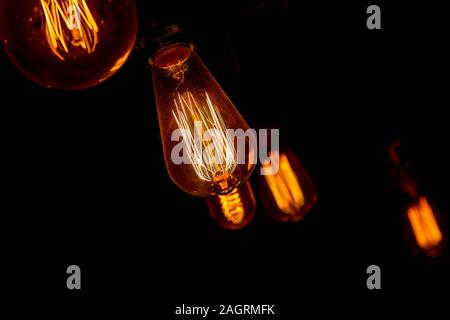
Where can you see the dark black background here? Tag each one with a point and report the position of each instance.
(84, 180)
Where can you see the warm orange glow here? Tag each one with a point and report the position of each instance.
(285, 188)
(173, 60)
(206, 141)
(232, 207)
(423, 222)
(235, 210)
(120, 62)
(197, 113)
(69, 22)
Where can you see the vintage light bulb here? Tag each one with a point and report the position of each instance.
(287, 191)
(234, 210)
(196, 115)
(68, 44)
(424, 226)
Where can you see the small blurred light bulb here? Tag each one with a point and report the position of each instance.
(289, 193)
(423, 226)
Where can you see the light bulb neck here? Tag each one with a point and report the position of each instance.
(164, 37)
(224, 183)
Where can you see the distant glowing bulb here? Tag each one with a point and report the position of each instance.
(194, 111)
(286, 189)
(289, 193)
(68, 44)
(234, 210)
(425, 227)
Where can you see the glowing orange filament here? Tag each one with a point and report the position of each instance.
(69, 22)
(232, 207)
(214, 159)
(285, 187)
(424, 225)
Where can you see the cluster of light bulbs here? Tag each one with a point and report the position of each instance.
(75, 44)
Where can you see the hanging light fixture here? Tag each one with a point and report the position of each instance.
(423, 227)
(195, 117)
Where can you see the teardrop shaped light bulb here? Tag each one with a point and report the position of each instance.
(287, 191)
(423, 225)
(234, 210)
(68, 44)
(197, 122)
